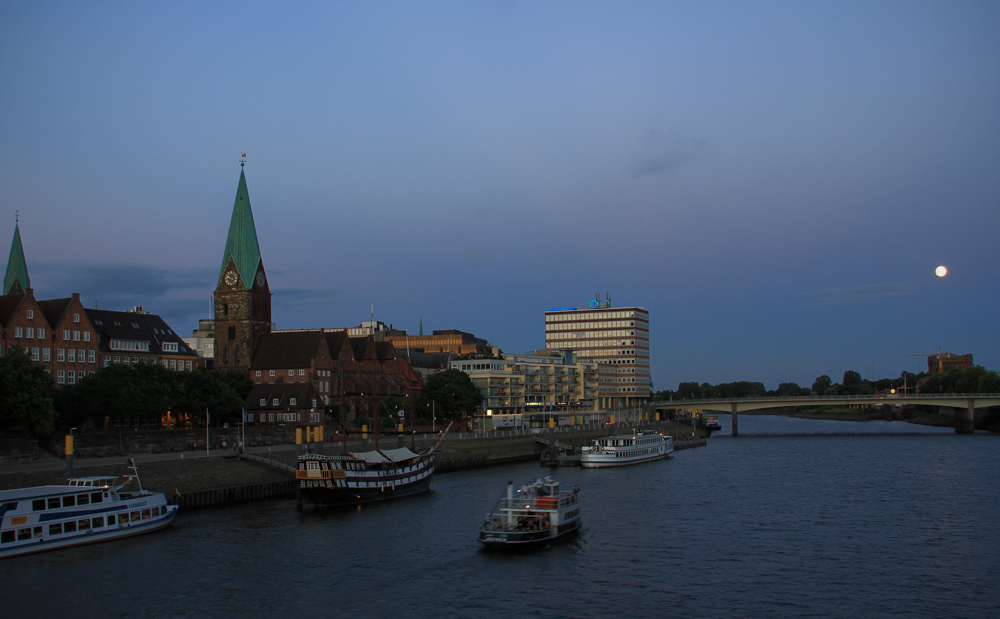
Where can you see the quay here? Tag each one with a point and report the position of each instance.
(221, 477)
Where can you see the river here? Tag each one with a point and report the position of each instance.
(794, 518)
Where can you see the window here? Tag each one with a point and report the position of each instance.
(258, 372)
(107, 361)
(69, 501)
(55, 529)
(46, 354)
(169, 346)
(54, 503)
(302, 372)
(72, 377)
(270, 417)
(30, 314)
(173, 364)
(263, 401)
(291, 372)
(98, 522)
(249, 416)
(71, 355)
(31, 332)
(272, 372)
(86, 336)
(76, 318)
(38, 505)
(91, 356)
(41, 333)
(18, 332)
(66, 335)
(34, 353)
(81, 355)
(111, 519)
(274, 402)
(60, 377)
(293, 401)
(76, 336)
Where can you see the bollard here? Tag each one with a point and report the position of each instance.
(69, 457)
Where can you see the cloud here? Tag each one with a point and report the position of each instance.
(861, 294)
(471, 256)
(663, 151)
(116, 286)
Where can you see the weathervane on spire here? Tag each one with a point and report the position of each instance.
(243, 159)
(17, 216)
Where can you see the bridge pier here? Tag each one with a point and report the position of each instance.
(965, 420)
(736, 422)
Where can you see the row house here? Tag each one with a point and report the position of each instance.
(56, 333)
(136, 336)
(347, 374)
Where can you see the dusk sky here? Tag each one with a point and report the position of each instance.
(774, 181)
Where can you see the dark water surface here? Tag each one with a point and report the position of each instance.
(795, 518)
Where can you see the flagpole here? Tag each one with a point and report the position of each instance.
(208, 420)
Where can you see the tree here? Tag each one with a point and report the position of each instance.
(788, 390)
(688, 391)
(851, 384)
(453, 393)
(821, 384)
(26, 395)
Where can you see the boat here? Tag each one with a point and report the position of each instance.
(538, 513)
(84, 511)
(625, 449)
(364, 477)
(709, 422)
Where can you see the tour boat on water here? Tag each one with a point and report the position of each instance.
(709, 422)
(365, 476)
(84, 511)
(537, 513)
(626, 449)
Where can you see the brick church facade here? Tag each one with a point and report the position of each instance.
(301, 377)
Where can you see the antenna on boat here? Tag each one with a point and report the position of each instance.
(131, 465)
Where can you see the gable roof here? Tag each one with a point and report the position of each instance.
(295, 349)
(54, 310)
(8, 306)
(111, 325)
(241, 244)
(17, 268)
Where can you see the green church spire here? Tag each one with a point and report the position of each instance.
(241, 244)
(16, 280)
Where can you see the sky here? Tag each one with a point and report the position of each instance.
(775, 182)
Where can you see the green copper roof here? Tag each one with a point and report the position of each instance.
(241, 245)
(17, 268)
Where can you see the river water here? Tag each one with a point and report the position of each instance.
(794, 518)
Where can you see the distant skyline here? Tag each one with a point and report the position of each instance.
(775, 182)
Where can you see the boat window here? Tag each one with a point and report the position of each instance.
(85, 524)
(6, 536)
(111, 519)
(98, 522)
(38, 505)
(23, 534)
(312, 465)
(95, 497)
(55, 529)
(69, 527)
(134, 516)
(145, 514)
(69, 501)
(83, 499)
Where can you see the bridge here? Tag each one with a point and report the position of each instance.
(964, 403)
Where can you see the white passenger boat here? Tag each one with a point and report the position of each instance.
(84, 511)
(364, 477)
(626, 449)
(537, 513)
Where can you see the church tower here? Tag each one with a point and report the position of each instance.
(16, 280)
(242, 297)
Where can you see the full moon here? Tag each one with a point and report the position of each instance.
(941, 271)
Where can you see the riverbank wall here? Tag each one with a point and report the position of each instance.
(195, 480)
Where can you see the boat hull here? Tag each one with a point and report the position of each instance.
(329, 497)
(497, 540)
(598, 462)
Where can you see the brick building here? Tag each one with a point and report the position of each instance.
(72, 341)
(344, 374)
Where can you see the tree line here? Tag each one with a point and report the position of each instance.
(30, 405)
(975, 379)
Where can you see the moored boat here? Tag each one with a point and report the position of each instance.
(625, 449)
(364, 477)
(84, 511)
(709, 422)
(537, 513)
